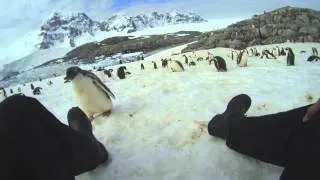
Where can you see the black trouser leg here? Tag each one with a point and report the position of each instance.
(266, 137)
(36, 145)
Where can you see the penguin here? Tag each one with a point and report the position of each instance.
(93, 95)
(164, 63)
(100, 74)
(268, 54)
(19, 90)
(32, 86)
(120, 62)
(302, 52)
(242, 59)
(37, 91)
(313, 58)
(234, 57)
(200, 59)
(121, 72)
(252, 53)
(256, 53)
(314, 51)
(192, 63)
(141, 66)
(154, 65)
(40, 79)
(50, 83)
(282, 52)
(219, 63)
(3, 94)
(186, 59)
(108, 73)
(11, 91)
(290, 57)
(175, 66)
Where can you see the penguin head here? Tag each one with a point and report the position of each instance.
(72, 72)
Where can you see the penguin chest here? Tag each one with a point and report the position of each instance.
(92, 99)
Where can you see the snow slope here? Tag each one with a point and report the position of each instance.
(152, 131)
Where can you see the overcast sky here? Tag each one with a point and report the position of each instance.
(20, 16)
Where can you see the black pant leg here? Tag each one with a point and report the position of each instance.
(41, 146)
(304, 152)
(265, 137)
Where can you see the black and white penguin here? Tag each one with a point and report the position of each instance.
(108, 72)
(234, 55)
(32, 86)
(11, 91)
(314, 51)
(219, 63)
(313, 58)
(3, 94)
(268, 54)
(290, 57)
(50, 83)
(282, 52)
(242, 59)
(154, 65)
(200, 59)
(252, 53)
(256, 53)
(186, 60)
(192, 63)
(175, 66)
(121, 72)
(93, 95)
(164, 63)
(40, 79)
(37, 91)
(141, 66)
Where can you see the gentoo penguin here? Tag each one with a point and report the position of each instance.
(141, 66)
(121, 72)
(3, 94)
(242, 59)
(313, 58)
(37, 91)
(200, 59)
(93, 96)
(282, 52)
(164, 63)
(192, 63)
(175, 66)
(50, 83)
(108, 72)
(31, 86)
(314, 51)
(268, 54)
(154, 65)
(186, 60)
(290, 57)
(100, 74)
(219, 63)
(252, 52)
(234, 57)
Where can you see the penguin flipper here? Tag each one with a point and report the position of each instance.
(99, 84)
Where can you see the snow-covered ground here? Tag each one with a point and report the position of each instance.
(152, 131)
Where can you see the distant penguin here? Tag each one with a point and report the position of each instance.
(242, 59)
(220, 64)
(234, 55)
(19, 90)
(282, 52)
(314, 51)
(186, 60)
(121, 72)
(175, 66)
(3, 94)
(93, 95)
(31, 86)
(200, 59)
(40, 79)
(268, 54)
(142, 57)
(313, 58)
(11, 91)
(302, 52)
(50, 83)
(141, 66)
(192, 63)
(154, 65)
(290, 57)
(120, 62)
(37, 91)
(164, 63)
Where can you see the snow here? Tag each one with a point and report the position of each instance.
(152, 131)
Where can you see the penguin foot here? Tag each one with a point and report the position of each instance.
(107, 113)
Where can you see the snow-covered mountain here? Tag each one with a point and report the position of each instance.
(65, 29)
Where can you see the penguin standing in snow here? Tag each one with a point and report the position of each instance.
(242, 59)
(36, 91)
(164, 63)
(93, 96)
(314, 51)
(175, 66)
(154, 65)
(121, 72)
(32, 86)
(186, 59)
(142, 66)
(219, 63)
(290, 57)
(108, 72)
(3, 94)
(314, 56)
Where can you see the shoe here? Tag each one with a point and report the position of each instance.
(78, 121)
(236, 109)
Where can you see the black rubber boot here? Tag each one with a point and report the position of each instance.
(236, 109)
(79, 122)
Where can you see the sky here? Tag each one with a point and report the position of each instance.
(17, 17)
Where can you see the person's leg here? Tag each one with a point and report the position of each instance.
(303, 152)
(39, 145)
(266, 137)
